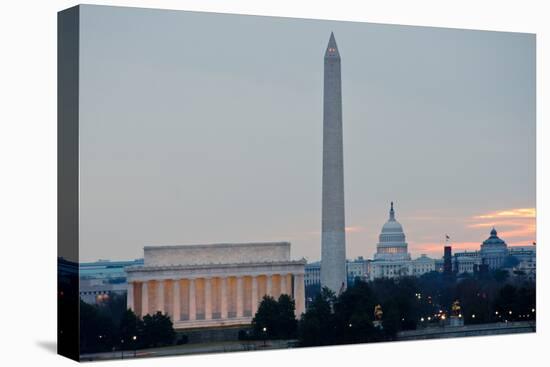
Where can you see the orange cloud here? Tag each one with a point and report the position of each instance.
(525, 231)
(500, 223)
(513, 225)
(511, 213)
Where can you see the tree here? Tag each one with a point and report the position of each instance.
(287, 319)
(114, 308)
(474, 300)
(501, 275)
(399, 302)
(317, 325)
(276, 317)
(312, 290)
(158, 330)
(131, 330)
(354, 313)
(97, 331)
(264, 323)
(510, 262)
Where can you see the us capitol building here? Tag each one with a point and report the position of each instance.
(392, 258)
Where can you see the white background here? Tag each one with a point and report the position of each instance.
(28, 180)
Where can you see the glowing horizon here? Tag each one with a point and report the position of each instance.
(517, 227)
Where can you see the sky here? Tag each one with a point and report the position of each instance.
(207, 128)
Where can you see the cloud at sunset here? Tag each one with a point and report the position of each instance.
(516, 226)
(511, 213)
(513, 225)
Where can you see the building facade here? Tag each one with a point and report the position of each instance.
(423, 265)
(527, 260)
(313, 273)
(102, 279)
(357, 269)
(466, 264)
(214, 285)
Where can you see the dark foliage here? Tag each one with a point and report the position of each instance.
(110, 326)
(157, 330)
(317, 325)
(275, 319)
(409, 303)
(312, 290)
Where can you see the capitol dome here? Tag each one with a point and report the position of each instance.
(392, 243)
(392, 231)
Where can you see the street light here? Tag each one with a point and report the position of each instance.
(265, 335)
(134, 338)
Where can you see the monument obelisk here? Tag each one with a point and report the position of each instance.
(333, 236)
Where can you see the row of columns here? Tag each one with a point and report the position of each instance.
(298, 295)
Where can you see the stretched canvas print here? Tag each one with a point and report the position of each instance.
(244, 183)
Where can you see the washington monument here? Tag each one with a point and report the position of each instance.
(333, 237)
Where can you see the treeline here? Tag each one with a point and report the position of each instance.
(275, 319)
(110, 326)
(409, 303)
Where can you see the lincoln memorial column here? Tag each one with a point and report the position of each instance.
(269, 285)
(130, 296)
(254, 303)
(192, 301)
(160, 296)
(223, 295)
(299, 294)
(144, 299)
(176, 309)
(240, 297)
(208, 299)
(284, 289)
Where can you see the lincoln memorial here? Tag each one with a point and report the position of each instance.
(214, 285)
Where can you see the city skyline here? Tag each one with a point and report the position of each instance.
(448, 134)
